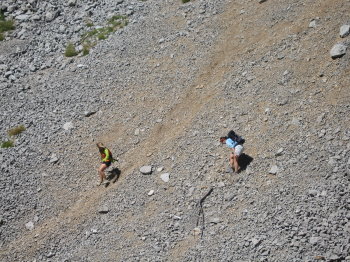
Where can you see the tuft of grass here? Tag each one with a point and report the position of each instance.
(16, 130)
(7, 144)
(185, 1)
(89, 24)
(101, 36)
(70, 50)
(2, 16)
(5, 25)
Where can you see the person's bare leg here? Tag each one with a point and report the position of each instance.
(232, 161)
(101, 172)
(235, 163)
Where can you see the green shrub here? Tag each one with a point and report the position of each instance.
(16, 130)
(7, 144)
(2, 16)
(5, 25)
(70, 50)
(185, 1)
(86, 49)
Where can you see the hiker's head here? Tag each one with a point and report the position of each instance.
(223, 139)
(100, 145)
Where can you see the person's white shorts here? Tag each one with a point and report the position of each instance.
(238, 150)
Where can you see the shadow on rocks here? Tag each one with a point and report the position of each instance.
(114, 174)
(244, 160)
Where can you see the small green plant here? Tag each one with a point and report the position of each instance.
(185, 1)
(5, 25)
(102, 36)
(89, 24)
(70, 50)
(7, 144)
(16, 130)
(86, 49)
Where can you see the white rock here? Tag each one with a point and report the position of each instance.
(273, 170)
(30, 225)
(160, 169)
(146, 170)
(22, 17)
(68, 125)
(53, 158)
(312, 24)
(151, 192)
(103, 209)
(338, 50)
(344, 30)
(279, 152)
(165, 177)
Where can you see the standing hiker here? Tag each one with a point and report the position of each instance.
(235, 143)
(106, 161)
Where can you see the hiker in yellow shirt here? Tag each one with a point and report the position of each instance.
(106, 161)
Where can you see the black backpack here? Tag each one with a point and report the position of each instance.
(235, 137)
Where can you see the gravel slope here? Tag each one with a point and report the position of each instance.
(160, 92)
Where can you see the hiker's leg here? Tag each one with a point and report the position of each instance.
(232, 160)
(101, 172)
(235, 163)
(238, 152)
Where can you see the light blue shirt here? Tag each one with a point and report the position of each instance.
(230, 143)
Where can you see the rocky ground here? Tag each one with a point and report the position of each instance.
(159, 92)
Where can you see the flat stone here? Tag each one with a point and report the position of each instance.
(22, 17)
(313, 240)
(146, 170)
(255, 242)
(30, 225)
(89, 113)
(312, 24)
(103, 209)
(313, 192)
(338, 50)
(344, 30)
(279, 152)
(273, 170)
(151, 193)
(68, 125)
(165, 177)
(53, 158)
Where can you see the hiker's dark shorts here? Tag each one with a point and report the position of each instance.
(107, 163)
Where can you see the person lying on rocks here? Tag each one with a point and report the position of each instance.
(235, 144)
(106, 161)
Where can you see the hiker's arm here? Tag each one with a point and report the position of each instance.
(106, 157)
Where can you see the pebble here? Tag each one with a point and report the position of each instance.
(103, 209)
(68, 126)
(30, 225)
(146, 170)
(344, 30)
(151, 193)
(274, 170)
(165, 177)
(338, 50)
